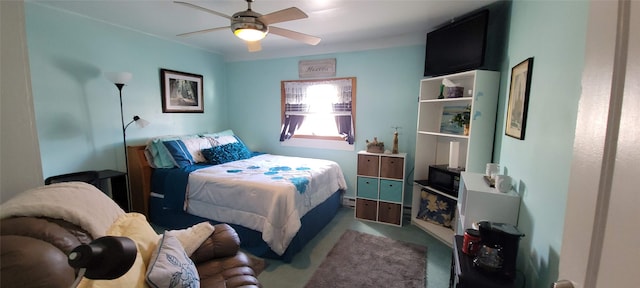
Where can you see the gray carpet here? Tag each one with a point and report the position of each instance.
(364, 260)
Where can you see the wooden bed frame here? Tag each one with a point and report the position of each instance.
(139, 179)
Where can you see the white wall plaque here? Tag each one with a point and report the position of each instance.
(317, 68)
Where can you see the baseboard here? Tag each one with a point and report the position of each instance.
(349, 202)
(406, 210)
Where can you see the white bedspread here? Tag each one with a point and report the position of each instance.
(267, 193)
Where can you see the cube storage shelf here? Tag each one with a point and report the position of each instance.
(380, 187)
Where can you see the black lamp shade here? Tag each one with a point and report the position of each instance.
(106, 258)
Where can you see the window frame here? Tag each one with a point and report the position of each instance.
(319, 81)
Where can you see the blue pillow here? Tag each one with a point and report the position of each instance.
(179, 153)
(158, 155)
(233, 150)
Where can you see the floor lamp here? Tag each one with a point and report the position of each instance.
(120, 79)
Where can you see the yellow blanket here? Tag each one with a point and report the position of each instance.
(136, 227)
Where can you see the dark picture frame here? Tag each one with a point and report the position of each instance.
(519, 99)
(181, 92)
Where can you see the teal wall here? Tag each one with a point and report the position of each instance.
(77, 108)
(387, 95)
(78, 117)
(554, 34)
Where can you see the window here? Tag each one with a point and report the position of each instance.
(318, 109)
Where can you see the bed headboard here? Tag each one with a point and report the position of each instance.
(139, 179)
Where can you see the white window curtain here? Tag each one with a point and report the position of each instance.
(297, 92)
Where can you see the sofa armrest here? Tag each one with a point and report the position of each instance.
(223, 242)
(34, 251)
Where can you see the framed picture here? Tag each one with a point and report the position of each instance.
(181, 92)
(519, 99)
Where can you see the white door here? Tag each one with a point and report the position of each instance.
(600, 245)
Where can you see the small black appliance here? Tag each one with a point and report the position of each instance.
(444, 179)
(499, 250)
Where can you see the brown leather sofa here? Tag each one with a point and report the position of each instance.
(34, 254)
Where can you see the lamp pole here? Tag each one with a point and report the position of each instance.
(120, 79)
(124, 141)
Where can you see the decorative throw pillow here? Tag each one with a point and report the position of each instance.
(192, 237)
(436, 208)
(171, 267)
(226, 149)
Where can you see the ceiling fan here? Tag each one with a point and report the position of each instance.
(251, 26)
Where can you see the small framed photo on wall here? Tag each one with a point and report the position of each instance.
(181, 92)
(519, 99)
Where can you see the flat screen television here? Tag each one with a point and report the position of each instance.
(457, 46)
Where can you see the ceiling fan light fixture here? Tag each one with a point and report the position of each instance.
(252, 27)
(250, 31)
(248, 34)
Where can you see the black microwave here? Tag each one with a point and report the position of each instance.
(444, 179)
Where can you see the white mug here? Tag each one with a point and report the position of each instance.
(492, 170)
(503, 183)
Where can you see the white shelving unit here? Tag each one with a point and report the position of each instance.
(432, 145)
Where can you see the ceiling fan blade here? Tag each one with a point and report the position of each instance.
(203, 9)
(283, 15)
(254, 46)
(202, 31)
(311, 40)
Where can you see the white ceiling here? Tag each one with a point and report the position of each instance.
(343, 25)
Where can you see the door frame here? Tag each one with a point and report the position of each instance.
(593, 180)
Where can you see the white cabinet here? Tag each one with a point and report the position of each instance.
(432, 143)
(478, 201)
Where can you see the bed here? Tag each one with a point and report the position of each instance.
(300, 195)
